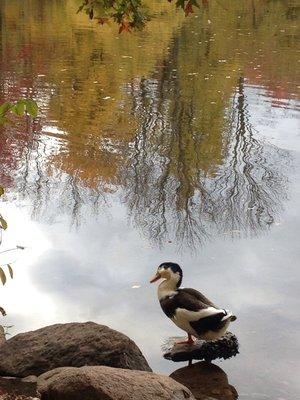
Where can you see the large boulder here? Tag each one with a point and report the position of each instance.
(73, 344)
(105, 383)
(15, 388)
(205, 381)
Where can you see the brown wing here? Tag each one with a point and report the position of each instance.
(189, 299)
(199, 296)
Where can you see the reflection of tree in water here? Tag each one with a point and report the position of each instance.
(188, 169)
(159, 184)
(49, 192)
(175, 187)
(184, 178)
(249, 188)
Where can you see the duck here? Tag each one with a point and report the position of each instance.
(189, 309)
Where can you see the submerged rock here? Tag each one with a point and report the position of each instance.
(205, 380)
(90, 383)
(73, 344)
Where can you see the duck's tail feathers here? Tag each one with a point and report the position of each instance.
(228, 316)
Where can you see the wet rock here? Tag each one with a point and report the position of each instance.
(225, 347)
(205, 380)
(73, 344)
(105, 383)
(15, 389)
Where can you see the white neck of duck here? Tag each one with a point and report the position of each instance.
(167, 288)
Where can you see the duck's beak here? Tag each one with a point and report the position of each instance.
(155, 278)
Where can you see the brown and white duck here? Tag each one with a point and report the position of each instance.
(189, 309)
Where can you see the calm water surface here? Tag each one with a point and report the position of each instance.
(177, 143)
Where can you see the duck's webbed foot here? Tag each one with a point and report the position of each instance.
(189, 340)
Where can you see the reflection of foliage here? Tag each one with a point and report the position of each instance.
(128, 14)
(185, 163)
(19, 108)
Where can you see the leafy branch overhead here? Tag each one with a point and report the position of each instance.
(3, 274)
(128, 14)
(19, 108)
(3, 225)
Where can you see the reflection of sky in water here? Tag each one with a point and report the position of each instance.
(69, 274)
(279, 125)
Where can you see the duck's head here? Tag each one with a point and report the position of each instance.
(168, 271)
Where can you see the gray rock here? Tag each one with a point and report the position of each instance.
(105, 383)
(73, 344)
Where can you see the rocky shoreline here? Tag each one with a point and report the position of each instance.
(88, 361)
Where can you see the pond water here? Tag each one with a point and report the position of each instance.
(179, 143)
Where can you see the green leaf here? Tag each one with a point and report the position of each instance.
(1, 190)
(19, 108)
(2, 276)
(3, 223)
(10, 270)
(5, 107)
(31, 107)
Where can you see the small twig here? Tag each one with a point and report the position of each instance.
(13, 249)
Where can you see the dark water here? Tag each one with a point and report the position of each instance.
(177, 143)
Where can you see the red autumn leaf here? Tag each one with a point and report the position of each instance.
(125, 26)
(188, 9)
